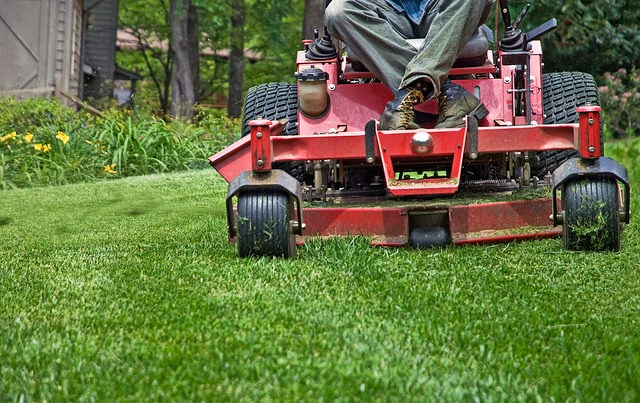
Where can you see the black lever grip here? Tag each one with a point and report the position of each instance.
(521, 16)
(540, 30)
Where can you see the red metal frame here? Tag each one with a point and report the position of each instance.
(339, 135)
(237, 158)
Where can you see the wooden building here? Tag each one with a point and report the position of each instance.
(57, 47)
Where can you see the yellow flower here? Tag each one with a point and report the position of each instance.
(8, 137)
(44, 148)
(28, 137)
(62, 137)
(110, 169)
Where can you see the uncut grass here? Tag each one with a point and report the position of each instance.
(129, 290)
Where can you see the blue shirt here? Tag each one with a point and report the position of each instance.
(415, 9)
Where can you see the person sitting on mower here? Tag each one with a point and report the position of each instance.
(376, 30)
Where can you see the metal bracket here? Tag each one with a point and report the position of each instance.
(369, 141)
(472, 132)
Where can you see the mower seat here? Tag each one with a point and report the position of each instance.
(473, 54)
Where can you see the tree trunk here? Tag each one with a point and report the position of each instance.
(236, 59)
(313, 17)
(184, 32)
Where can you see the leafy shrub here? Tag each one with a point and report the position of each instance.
(586, 30)
(38, 139)
(620, 100)
(44, 143)
(31, 115)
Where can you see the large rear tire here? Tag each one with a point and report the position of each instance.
(591, 219)
(272, 101)
(275, 101)
(562, 93)
(264, 223)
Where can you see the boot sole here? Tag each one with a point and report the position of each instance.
(480, 112)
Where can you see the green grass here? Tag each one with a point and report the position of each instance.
(128, 290)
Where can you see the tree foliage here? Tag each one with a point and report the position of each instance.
(592, 36)
(148, 22)
(272, 28)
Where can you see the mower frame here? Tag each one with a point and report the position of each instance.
(431, 210)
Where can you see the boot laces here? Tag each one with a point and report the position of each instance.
(413, 98)
(442, 105)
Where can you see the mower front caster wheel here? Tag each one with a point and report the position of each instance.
(264, 223)
(591, 215)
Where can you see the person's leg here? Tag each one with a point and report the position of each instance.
(375, 32)
(446, 28)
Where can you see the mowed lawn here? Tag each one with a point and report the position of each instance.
(128, 290)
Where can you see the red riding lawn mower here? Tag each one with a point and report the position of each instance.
(313, 162)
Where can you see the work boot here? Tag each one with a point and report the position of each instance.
(399, 114)
(454, 103)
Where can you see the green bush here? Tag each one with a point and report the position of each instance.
(44, 143)
(620, 100)
(38, 141)
(32, 115)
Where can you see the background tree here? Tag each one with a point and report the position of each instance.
(236, 58)
(592, 36)
(274, 34)
(153, 58)
(185, 42)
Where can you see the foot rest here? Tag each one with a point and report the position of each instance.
(399, 147)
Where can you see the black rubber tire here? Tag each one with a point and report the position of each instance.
(272, 101)
(562, 93)
(591, 220)
(263, 220)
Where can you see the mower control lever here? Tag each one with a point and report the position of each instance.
(514, 39)
(540, 30)
(506, 15)
(321, 48)
(523, 13)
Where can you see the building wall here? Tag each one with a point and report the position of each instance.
(101, 21)
(101, 18)
(40, 47)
